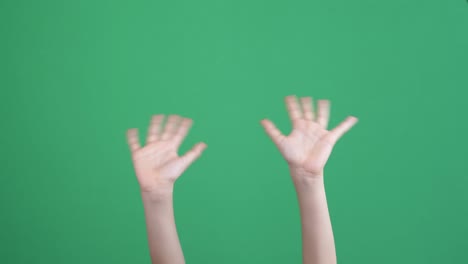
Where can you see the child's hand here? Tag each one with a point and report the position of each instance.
(308, 146)
(157, 165)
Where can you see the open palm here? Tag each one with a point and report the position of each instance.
(307, 148)
(157, 164)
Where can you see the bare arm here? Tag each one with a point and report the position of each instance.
(157, 167)
(306, 150)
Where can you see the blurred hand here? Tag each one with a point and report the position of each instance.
(307, 148)
(157, 164)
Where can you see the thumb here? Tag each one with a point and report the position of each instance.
(190, 156)
(272, 131)
(342, 128)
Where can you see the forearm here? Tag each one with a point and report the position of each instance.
(318, 246)
(162, 234)
(306, 150)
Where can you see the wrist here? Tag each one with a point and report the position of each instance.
(300, 174)
(308, 182)
(157, 195)
(304, 180)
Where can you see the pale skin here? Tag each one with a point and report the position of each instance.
(306, 150)
(157, 166)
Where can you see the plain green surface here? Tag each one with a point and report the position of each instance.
(76, 74)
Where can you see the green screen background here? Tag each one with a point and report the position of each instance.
(76, 74)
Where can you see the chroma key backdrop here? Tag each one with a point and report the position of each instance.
(74, 75)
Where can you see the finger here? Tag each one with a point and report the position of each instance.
(342, 128)
(293, 107)
(182, 131)
(170, 127)
(154, 129)
(190, 156)
(133, 140)
(272, 131)
(307, 108)
(323, 113)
